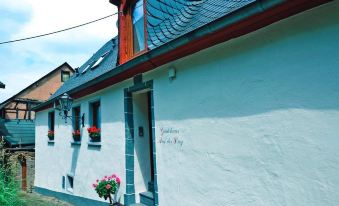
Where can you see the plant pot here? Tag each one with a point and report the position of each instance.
(76, 138)
(94, 137)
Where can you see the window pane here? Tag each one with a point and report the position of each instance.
(51, 121)
(95, 114)
(65, 75)
(138, 26)
(76, 118)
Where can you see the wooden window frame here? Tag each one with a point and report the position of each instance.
(126, 51)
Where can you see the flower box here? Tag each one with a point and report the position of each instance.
(50, 135)
(76, 136)
(94, 134)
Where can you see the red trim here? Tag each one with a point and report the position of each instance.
(241, 28)
(245, 26)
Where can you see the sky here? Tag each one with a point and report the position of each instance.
(22, 63)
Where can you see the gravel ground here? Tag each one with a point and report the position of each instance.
(33, 199)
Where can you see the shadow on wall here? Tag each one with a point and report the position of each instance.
(292, 64)
(75, 157)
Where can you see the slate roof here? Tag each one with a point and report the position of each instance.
(168, 20)
(108, 63)
(18, 132)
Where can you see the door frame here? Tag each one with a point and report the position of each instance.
(129, 197)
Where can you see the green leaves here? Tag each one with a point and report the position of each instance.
(107, 186)
(8, 189)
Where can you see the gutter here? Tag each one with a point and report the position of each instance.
(245, 20)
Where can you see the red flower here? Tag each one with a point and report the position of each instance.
(108, 186)
(76, 133)
(50, 134)
(93, 131)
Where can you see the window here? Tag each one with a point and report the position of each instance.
(87, 67)
(95, 114)
(51, 121)
(76, 118)
(63, 182)
(138, 26)
(70, 181)
(65, 75)
(99, 60)
(132, 30)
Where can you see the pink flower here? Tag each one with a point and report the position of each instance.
(117, 179)
(95, 185)
(108, 186)
(109, 178)
(103, 180)
(113, 176)
(97, 181)
(105, 177)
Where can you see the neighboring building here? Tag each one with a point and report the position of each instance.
(20, 105)
(17, 118)
(2, 85)
(219, 102)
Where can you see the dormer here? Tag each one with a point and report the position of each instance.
(132, 28)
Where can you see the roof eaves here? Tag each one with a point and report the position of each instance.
(230, 19)
(244, 12)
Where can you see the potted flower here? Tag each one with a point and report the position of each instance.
(50, 135)
(76, 135)
(94, 134)
(107, 186)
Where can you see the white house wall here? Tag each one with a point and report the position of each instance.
(88, 163)
(253, 121)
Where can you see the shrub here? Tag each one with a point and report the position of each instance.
(9, 187)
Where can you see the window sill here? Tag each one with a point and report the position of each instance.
(70, 190)
(76, 143)
(51, 142)
(94, 144)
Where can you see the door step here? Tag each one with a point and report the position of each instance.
(138, 204)
(147, 198)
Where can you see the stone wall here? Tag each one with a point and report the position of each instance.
(16, 161)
